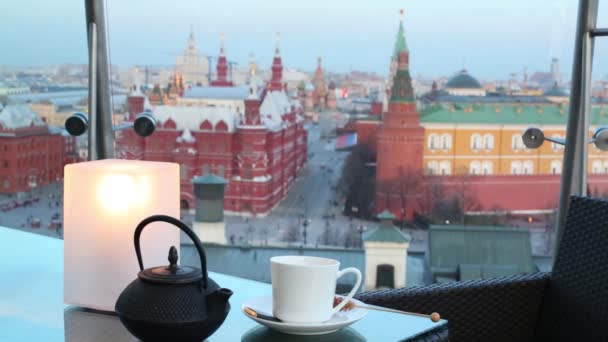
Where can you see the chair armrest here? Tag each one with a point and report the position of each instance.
(497, 309)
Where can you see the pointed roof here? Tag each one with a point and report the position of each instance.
(209, 178)
(400, 43)
(386, 215)
(276, 80)
(386, 232)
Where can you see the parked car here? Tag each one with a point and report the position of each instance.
(35, 223)
(55, 224)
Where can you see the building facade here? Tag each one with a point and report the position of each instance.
(192, 64)
(31, 154)
(473, 142)
(258, 144)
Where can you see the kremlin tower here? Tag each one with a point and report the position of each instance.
(400, 45)
(222, 68)
(276, 82)
(320, 93)
(332, 101)
(400, 142)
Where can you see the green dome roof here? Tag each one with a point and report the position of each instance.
(463, 80)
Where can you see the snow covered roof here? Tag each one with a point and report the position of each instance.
(186, 137)
(271, 113)
(191, 117)
(19, 116)
(227, 93)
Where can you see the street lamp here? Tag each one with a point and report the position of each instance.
(360, 229)
(304, 232)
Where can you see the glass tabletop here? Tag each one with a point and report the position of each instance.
(32, 309)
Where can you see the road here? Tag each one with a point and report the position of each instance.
(312, 196)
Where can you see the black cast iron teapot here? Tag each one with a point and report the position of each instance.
(172, 303)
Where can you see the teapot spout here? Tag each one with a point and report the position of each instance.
(217, 301)
(224, 293)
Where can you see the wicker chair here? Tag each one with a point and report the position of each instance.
(568, 304)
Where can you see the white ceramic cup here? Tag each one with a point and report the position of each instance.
(303, 288)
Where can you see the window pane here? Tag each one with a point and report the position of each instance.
(438, 119)
(332, 136)
(43, 80)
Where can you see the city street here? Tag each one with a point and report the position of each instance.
(312, 197)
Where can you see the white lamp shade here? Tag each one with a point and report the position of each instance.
(104, 200)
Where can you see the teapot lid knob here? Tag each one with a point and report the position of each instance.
(173, 257)
(172, 274)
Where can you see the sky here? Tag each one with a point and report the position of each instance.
(492, 39)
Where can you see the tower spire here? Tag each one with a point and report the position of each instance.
(222, 44)
(277, 51)
(400, 42)
(222, 67)
(276, 82)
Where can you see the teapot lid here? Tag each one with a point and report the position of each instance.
(172, 274)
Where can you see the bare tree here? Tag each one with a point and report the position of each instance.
(329, 236)
(409, 186)
(292, 233)
(466, 197)
(350, 237)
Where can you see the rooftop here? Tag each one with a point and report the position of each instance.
(19, 116)
(475, 113)
(209, 178)
(463, 80)
(223, 93)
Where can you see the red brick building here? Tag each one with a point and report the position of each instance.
(399, 143)
(439, 153)
(31, 153)
(259, 151)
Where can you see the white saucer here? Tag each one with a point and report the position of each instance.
(338, 321)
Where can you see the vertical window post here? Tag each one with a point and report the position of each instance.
(574, 169)
(101, 135)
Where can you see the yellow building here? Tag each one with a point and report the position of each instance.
(486, 139)
(48, 111)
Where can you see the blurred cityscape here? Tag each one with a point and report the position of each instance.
(313, 158)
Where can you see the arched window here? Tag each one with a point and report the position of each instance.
(475, 168)
(433, 139)
(446, 141)
(169, 124)
(475, 141)
(205, 169)
(596, 166)
(516, 142)
(556, 167)
(206, 126)
(445, 168)
(432, 167)
(486, 167)
(528, 167)
(220, 170)
(488, 141)
(515, 168)
(221, 126)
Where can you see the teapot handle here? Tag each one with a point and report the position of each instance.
(180, 225)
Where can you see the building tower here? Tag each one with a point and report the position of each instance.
(400, 144)
(135, 99)
(555, 70)
(276, 81)
(320, 93)
(332, 101)
(400, 45)
(209, 222)
(192, 65)
(222, 68)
